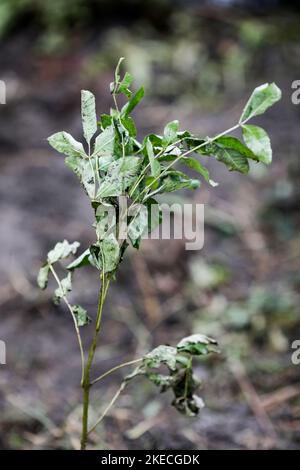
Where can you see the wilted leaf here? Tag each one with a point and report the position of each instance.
(62, 250)
(88, 114)
(161, 355)
(81, 315)
(42, 278)
(64, 288)
(258, 141)
(197, 345)
(261, 99)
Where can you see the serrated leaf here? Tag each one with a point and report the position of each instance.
(81, 315)
(66, 144)
(104, 143)
(261, 99)
(154, 164)
(88, 115)
(170, 132)
(258, 141)
(43, 275)
(62, 250)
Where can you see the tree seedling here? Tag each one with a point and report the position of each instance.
(113, 164)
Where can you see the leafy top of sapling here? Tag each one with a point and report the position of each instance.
(117, 164)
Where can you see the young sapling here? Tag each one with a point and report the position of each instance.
(114, 166)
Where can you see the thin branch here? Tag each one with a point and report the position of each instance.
(74, 320)
(113, 369)
(111, 403)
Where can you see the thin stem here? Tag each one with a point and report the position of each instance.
(113, 369)
(74, 320)
(111, 403)
(86, 382)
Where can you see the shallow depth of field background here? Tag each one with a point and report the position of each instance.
(198, 61)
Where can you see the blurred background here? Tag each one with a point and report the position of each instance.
(198, 60)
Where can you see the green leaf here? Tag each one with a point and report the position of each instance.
(104, 143)
(105, 120)
(120, 175)
(170, 132)
(154, 164)
(81, 315)
(64, 288)
(129, 125)
(197, 345)
(42, 278)
(176, 180)
(125, 84)
(82, 260)
(66, 144)
(161, 355)
(88, 115)
(133, 102)
(194, 164)
(232, 158)
(235, 144)
(62, 250)
(261, 99)
(258, 141)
